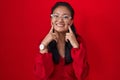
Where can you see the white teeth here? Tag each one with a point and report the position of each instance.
(60, 25)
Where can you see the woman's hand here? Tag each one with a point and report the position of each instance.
(52, 35)
(71, 37)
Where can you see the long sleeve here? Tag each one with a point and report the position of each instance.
(43, 66)
(80, 65)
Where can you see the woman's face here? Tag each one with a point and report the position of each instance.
(61, 19)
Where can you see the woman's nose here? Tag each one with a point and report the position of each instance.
(60, 19)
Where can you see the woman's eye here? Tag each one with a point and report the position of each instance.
(65, 17)
(56, 16)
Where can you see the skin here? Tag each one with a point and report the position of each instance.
(61, 33)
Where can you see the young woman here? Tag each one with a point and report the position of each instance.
(62, 53)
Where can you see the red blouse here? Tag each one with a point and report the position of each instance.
(45, 69)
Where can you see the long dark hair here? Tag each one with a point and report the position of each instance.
(52, 47)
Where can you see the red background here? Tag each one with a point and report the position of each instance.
(23, 23)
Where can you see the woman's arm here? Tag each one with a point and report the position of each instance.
(80, 64)
(43, 66)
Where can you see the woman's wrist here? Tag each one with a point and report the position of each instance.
(43, 48)
(76, 45)
(44, 51)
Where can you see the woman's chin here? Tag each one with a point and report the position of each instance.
(61, 31)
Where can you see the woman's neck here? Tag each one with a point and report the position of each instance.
(61, 44)
(61, 37)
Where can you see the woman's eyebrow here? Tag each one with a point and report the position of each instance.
(62, 14)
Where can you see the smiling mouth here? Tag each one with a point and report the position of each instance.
(60, 25)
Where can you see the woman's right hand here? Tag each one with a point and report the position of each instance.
(52, 35)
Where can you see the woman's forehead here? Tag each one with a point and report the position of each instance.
(62, 10)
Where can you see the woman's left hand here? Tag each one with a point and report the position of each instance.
(71, 37)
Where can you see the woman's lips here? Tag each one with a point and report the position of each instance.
(60, 25)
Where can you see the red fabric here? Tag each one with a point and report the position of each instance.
(45, 69)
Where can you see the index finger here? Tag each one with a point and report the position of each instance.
(51, 30)
(70, 30)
